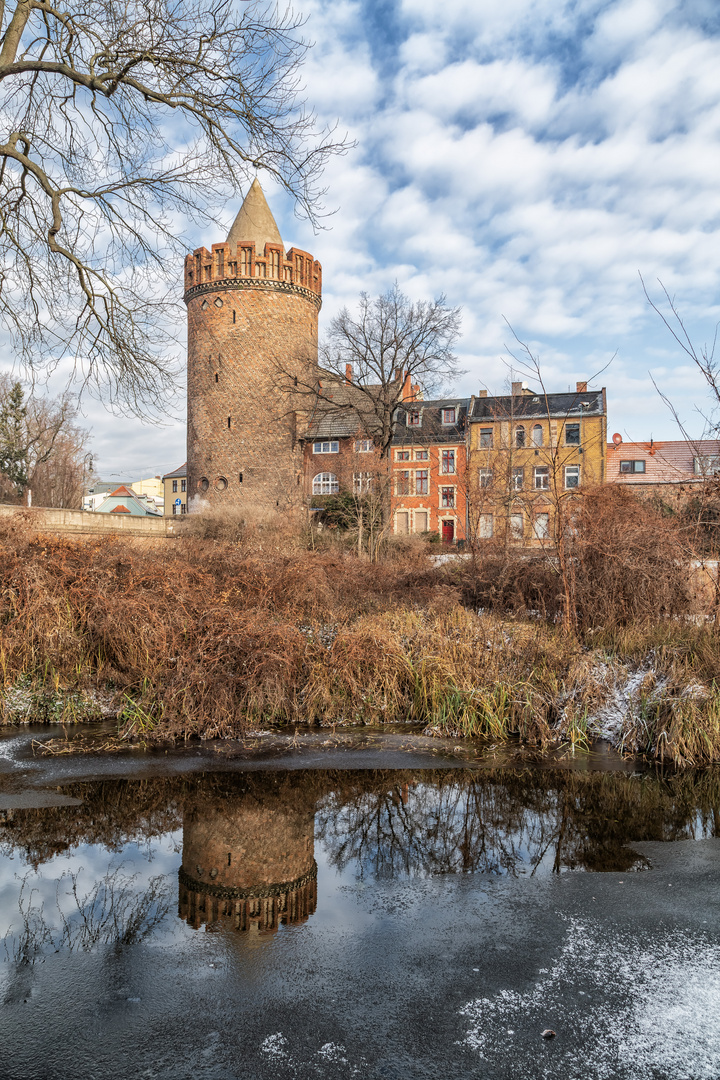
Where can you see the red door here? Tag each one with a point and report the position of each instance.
(448, 532)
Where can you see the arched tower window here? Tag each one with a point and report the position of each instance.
(325, 483)
(537, 435)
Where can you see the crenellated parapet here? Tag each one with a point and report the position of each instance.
(263, 907)
(238, 266)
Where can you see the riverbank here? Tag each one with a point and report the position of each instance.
(211, 640)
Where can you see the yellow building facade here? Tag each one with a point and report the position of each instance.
(530, 455)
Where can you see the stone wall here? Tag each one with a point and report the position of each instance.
(94, 524)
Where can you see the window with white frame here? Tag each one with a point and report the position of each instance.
(541, 526)
(705, 465)
(363, 446)
(329, 446)
(421, 481)
(412, 418)
(541, 478)
(572, 434)
(634, 466)
(325, 483)
(518, 478)
(447, 463)
(447, 497)
(572, 476)
(485, 478)
(421, 455)
(537, 435)
(402, 482)
(486, 438)
(485, 526)
(402, 455)
(517, 524)
(448, 416)
(362, 483)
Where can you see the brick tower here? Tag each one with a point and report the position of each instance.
(248, 862)
(252, 329)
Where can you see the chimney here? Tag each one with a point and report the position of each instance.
(517, 388)
(407, 390)
(348, 374)
(581, 387)
(482, 393)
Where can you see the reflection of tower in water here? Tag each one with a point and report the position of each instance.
(248, 862)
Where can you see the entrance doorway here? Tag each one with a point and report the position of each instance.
(448, 532)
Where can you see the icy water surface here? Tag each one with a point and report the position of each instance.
(340, 922)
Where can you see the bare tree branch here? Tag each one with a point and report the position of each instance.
(118, 119)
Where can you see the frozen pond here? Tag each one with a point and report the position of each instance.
(161, 917)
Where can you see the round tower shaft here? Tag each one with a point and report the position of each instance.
(252, 336)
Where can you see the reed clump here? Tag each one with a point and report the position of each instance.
(209, 637)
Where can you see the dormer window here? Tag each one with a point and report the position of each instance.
(448, 416)
(413, 418)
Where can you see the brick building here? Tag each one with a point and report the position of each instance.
(176, 493)
(669, 469)
(529, 454)
(252, 322)
(429, 468)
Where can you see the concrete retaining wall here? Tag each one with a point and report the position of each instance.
(85, 521)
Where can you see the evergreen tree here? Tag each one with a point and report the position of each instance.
(14, 438)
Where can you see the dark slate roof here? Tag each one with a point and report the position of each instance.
(182, 471)
(540, 406)
(338, 413)
(431, 429)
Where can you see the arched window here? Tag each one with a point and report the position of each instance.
(325, 483)
(520, 436)
(537, 435)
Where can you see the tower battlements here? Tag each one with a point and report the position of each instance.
(230, 265)
(252, 325)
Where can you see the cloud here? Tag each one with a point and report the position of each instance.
(525, 159)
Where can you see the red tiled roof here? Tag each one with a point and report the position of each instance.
(123, 492)
(120, 510)
(669, 462)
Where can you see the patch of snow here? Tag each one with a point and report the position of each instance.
(651, 1010)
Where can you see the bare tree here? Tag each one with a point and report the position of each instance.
(41, 448)
(120, 117)
(371, 361)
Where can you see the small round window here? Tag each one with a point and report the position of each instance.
(218, 302)
(203, 483)
(221, 483)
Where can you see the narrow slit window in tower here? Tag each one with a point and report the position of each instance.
(241, 478)
(229, 422)
(216, 377)
(234, 314)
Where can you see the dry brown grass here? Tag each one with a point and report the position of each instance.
(206, 637)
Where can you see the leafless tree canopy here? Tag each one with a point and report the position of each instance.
(119, 118)
(41, 447)
(388, 339)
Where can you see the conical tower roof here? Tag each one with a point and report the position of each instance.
(255, 221)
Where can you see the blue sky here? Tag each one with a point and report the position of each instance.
(527, 159)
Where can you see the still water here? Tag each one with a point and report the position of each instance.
(327, 922)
